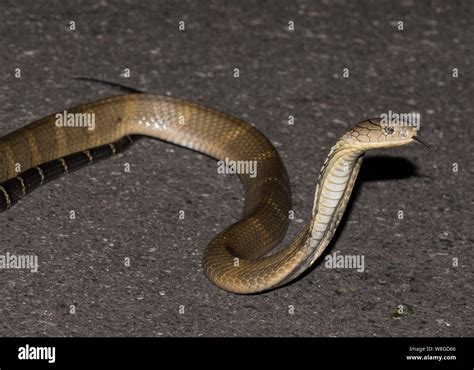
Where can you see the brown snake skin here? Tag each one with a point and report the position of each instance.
(237, 259)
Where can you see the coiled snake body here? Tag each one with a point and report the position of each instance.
(236, 259)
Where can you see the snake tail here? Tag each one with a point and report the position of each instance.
(14, 189)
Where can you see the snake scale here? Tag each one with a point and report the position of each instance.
(237, 259)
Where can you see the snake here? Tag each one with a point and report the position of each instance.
(240, 259)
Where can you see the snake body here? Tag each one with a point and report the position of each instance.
(237, 259)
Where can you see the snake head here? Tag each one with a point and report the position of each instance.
(374, 133)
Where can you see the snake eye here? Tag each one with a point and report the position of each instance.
(389, 130)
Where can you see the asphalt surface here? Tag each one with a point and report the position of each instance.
(83, 287)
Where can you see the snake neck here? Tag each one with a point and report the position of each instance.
(333, 190)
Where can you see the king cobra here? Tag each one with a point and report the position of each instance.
(237, 259)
